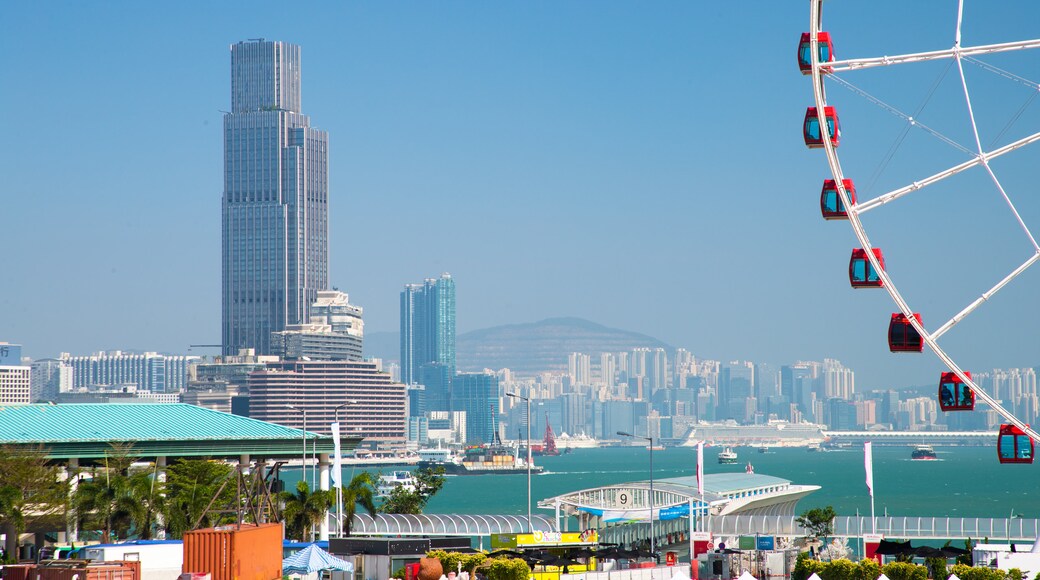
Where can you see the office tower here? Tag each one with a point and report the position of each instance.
(367, 402)
(275, 244)
(797, 386)
(427, 326)
(335, 331)
(477, 395)
(15, 378)
(736, 387)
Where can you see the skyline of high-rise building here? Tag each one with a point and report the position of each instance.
(275, 248)
(427, 327)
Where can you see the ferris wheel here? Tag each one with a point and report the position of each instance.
(907, 330)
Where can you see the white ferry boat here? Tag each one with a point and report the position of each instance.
(727, 456)
(389, 481)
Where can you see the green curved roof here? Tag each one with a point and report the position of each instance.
(87, 430)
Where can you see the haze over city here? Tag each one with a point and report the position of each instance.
(640, 166)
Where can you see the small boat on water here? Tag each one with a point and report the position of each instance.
(923, 453)
(814, 448)
(727, 455)
(389, 481)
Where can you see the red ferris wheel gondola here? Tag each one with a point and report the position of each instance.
(861, 272)
(831, 205)
(825, 47)
(955, 394)
(1013, 445)
(811, 128)
(902, 336)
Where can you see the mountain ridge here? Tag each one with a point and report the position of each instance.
(527, 347)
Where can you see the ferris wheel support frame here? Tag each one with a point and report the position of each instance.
(819, 94)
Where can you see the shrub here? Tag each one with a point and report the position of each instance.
(838, 570)
(504, 569)
(867, 569)
(450, 561)
(969, 573)
(905, 571)
(805, 566)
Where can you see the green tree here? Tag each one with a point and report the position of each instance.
(817, 522)
(31, 489)
(428, 481)
(304, 510)
(191, 486)
(359, 492)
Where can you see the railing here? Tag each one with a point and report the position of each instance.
(905, 528)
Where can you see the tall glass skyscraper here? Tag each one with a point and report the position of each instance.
(427, 327)
(275, 203)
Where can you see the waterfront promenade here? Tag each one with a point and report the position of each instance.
(901, 527)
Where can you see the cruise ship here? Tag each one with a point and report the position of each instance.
(772, 434)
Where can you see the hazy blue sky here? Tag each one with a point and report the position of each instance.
(636, 164)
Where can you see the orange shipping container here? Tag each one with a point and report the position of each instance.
(249, 552)
(76, 569)
(18, 571)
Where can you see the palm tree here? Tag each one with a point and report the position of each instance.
(359, 492)
(120, 501)
(304, 509)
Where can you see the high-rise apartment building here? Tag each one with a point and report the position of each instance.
(275, 245)
(427, 327)
(15, 381)
(50, 378)
(148, 371)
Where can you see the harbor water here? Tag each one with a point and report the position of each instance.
(962, 482)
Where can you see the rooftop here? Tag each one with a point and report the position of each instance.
(87, 431)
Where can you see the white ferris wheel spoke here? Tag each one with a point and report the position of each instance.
(862, 63)
(985, 296)
(865, 206)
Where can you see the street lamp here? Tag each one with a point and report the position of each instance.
(303, 465)
(650, 440)
(530, 528)
(1011, 517)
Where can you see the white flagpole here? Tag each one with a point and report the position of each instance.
(700, 477)
(337, 476)
(868, 463)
